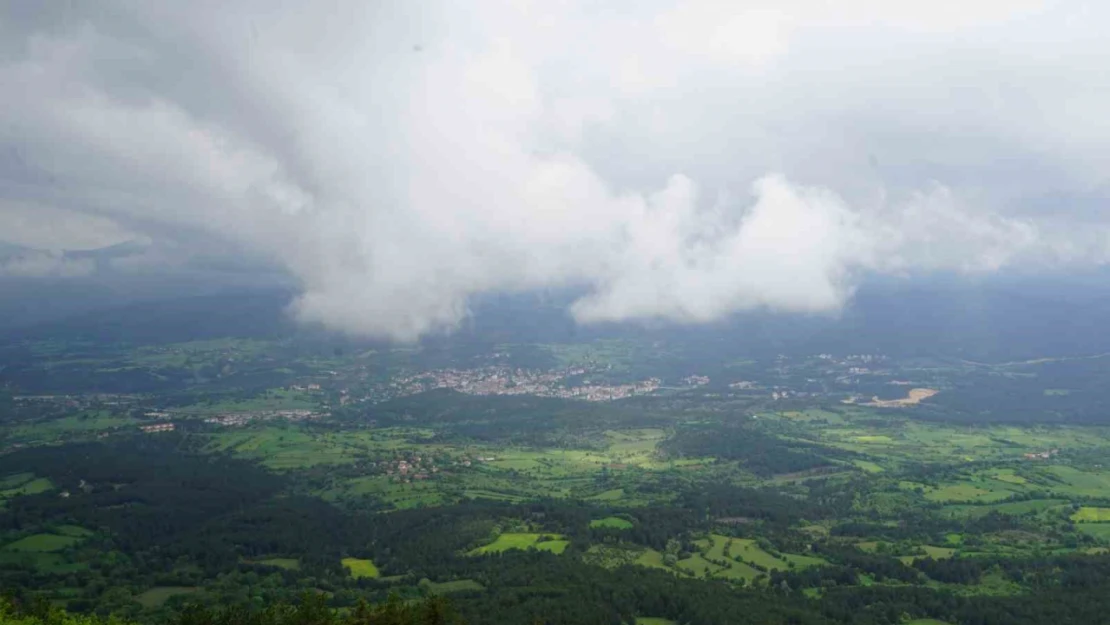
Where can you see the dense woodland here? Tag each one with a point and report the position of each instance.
(165, 515)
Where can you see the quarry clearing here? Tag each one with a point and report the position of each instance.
(915, 396)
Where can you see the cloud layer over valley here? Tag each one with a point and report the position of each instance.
(673, 160)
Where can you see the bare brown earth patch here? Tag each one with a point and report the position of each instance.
(915, 396)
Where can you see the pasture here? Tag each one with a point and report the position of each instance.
(524, 541)
(1087, 514)
(359, 568)
(1099, 531)
(42, 543)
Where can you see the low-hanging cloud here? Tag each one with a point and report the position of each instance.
(680, 161)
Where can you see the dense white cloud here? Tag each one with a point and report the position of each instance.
(678, 160)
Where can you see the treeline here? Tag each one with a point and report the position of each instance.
(312, 609)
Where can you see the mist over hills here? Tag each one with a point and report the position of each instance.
(992, 320)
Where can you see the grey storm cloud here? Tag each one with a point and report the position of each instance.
(675, 160)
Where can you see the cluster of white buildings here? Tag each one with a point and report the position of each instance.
(509, 381)
(243, 418)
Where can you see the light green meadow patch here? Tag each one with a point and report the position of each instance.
(554, 546)
(936, 553)
(869, 467)
(1081, 483)
(1008, 476)
(747, 550)
(965, 492)
(609, 495)
(1088, 514)
(652, 620)
(42, 543)
(612, 522)
(359, 568)
(873, 438)
(801, 562)
(1100, 531)
(698, 566)
(32, 487)
(652, 559)
(524, 541)
(1009, 507)
(738, 571)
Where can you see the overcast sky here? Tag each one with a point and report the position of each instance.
(675, 160)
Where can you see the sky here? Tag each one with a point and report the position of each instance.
(678, 161)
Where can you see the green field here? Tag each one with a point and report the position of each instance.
(524, 541)
(966, 492)
(31, 486)
(1088, 514)
(42, 543)
(76, 531)
(652, 559)
(652, 620)
(80, 425)
(612, 522)
(698, 566)
(1101, 531)
(361, 568)
(158, 595)
(1009, 507)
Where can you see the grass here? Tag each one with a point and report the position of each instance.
(698, 566)
(654, 620)
(15, 480)
(81, 424)
(651, 559)
(1080, 483)
(158, 595)
(609, 495)
(873, 438)
(747, 550)
(1009, 507)
(75, 531)
(44, 562)
(936, 553)
(34, 486)
(42, 543)
(1088, 514)
(966, 492)
(360, 568)
(524, 541)
(1101, 531)
(867, 466)
(612, 522)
